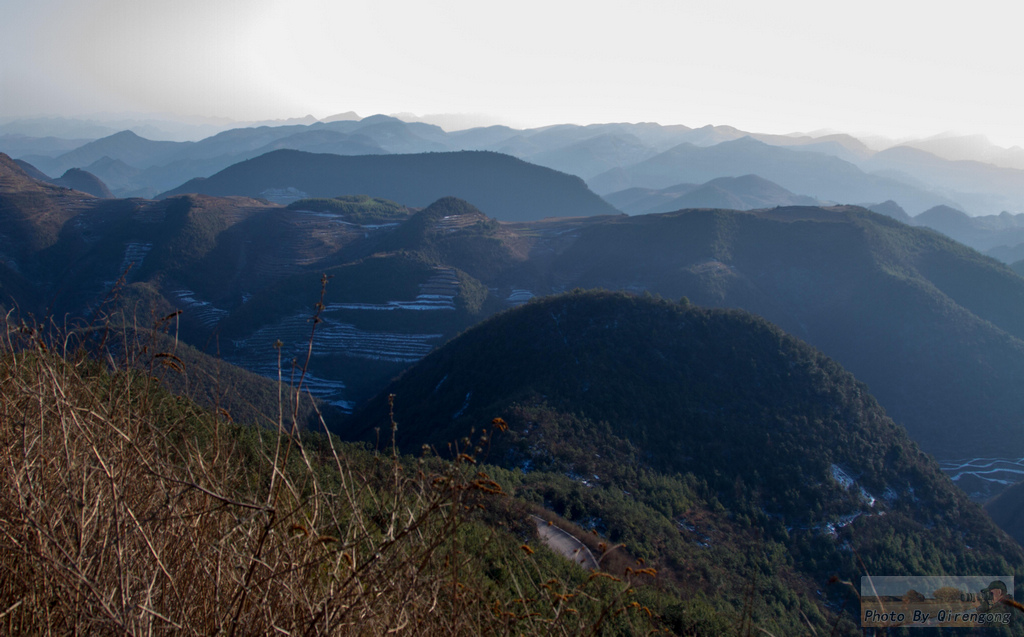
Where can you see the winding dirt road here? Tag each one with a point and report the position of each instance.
(565, 544)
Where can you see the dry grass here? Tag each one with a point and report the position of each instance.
(127, 510)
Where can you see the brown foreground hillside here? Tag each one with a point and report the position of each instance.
(127, 510)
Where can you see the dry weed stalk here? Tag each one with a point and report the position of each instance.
(127, 510)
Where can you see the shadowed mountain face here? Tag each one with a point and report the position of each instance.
(1007, 510)
(603, 387)
(933, 328)
(78, 179)
(73, 178)
(891, 303)
(247, 274)
(679, 381)
(33, 212)
(31, 170)
(508, 188)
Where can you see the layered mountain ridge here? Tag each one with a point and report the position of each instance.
(725, 452)
(932, 327)
(918, 174)
(511, 189)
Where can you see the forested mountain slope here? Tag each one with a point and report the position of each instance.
(605, 388)
(932, 327)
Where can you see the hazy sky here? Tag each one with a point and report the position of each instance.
(894, 68)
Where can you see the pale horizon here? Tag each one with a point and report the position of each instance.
(872, 139)
(877, 68)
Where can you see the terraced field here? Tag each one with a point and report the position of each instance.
(202, 311)
(303, 237)
(339, 335)
(982, 478)
(134, 255)
(436, 293)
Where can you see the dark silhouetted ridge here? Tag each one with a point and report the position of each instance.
(602, 387)
(502, 186)
(81, 180)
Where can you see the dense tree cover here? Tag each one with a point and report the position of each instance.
(360, 209)
(667, 427)
(755, 439)
(932, 327)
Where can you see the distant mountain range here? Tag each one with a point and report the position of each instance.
(963, 173)
(999, 236)
(972, 185)
(971, 148)
(748, 192)
(932, 327)
(743, 398)
(813, 174)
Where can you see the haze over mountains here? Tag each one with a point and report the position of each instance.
(639, 168)
(712, 166)
(932, 327)
(610, 157)
(515, 190)
(654, 169)
(748, 192)
(766, 378)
